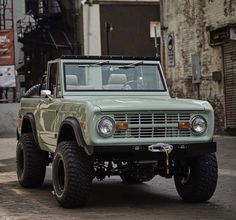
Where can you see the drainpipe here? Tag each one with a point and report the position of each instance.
(75, 6)
(88, 29)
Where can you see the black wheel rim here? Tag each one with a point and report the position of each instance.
(61, 175)
(186, 175)
(21, 160)
(184, 172)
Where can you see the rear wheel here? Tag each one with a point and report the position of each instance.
(72, 175)
(31, 162)
(196, 178)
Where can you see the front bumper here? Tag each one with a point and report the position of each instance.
(143, 152)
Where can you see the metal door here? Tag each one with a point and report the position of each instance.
(125, 29)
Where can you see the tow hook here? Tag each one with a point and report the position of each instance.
(162, 148)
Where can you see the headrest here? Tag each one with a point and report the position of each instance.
(117, 79)
(72, 80)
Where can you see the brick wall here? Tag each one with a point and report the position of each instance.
(190, 21)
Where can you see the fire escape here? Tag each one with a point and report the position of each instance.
(43, 25)
(46, 32)
(6, 14)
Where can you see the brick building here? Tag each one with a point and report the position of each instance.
(199, 54)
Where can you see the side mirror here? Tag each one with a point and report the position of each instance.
(45, 93)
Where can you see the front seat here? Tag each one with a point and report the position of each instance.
(72, 82)
(116, 82)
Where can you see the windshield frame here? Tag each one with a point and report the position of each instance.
(116, 63)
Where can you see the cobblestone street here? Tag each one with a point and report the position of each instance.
(111, 199)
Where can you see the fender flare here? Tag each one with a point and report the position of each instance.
(24, 129)
(74, 124)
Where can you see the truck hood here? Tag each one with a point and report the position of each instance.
(147, 103)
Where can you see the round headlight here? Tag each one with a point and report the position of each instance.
(106, 126)
(198, 124)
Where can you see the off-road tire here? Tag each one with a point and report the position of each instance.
(31, 162)
(201, 182)
(72, 173)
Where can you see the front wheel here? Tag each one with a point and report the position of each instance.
(196, 178)
(72, 174)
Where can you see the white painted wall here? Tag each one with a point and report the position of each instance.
(91, 30)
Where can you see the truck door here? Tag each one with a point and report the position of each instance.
(49, 106)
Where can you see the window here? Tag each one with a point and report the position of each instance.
(134, 76)
(54, 81)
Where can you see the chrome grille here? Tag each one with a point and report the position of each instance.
(152, 125)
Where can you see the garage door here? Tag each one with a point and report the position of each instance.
(230, 83)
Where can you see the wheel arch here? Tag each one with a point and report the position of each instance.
(29, 126)
(70, 130)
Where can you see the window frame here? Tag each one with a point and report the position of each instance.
(114, 63)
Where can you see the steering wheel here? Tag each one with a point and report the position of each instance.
(132, 84)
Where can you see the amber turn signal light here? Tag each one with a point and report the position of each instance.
(122, 126)
(184, 125)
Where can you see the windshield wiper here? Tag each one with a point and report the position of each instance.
(95, 64)
(131, 65)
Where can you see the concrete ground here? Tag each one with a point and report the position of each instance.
(111, 199)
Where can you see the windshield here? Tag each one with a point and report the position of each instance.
(103, 76)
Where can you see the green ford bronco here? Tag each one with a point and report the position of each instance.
(96, 117)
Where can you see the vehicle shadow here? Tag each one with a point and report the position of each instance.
(107, 195)
(114, 192)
